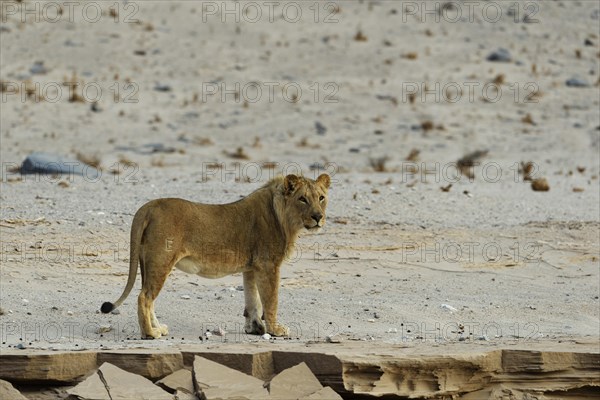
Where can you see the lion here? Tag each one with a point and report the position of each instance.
(252, 236)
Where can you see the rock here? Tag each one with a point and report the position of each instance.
(577, 82)
(185, 297)
(20, 346)
(326, 393)
(116, 311)
(7, 391)
(540, 185)
(448, 307)
(216, 381)
(266, 336)
(2, 312)
(104, 329)
(38, 68)
(152, 365)
(180, 383)
(46, 163)
(161, 87)
(588, 42)
(296, 382)
(23, 367)
(112, 383)
(321, 129)
(500, 55)
(219, 331)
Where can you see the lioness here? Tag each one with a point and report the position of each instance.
(253, 236)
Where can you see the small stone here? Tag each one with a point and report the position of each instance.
(500, 55)
(160, 87)
(69, 312)
(185, 297)
(376, 315)
(239, 288)
(25, 301)
(116, 311)
(333, 339)
(20, 346)
(540, 185)
(321, 129)
(2, 311)
(266, 336)
(484, 338)
(370, 320)
(577, 82)
(448, 307)
(38, 68)
(104, 329)
(219, 331)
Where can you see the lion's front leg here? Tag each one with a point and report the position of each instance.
(253, 311)
(268, 287)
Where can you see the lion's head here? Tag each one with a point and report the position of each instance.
(305, 201)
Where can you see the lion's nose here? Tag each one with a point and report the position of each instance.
(317, 217)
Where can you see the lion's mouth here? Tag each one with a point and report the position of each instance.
(312, 228)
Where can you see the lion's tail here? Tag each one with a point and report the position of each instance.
(138, 226)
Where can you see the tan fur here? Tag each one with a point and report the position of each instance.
(252, 236)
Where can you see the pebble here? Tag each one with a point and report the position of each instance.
(370, 320)
(69, 312)
(500, 55)
(25, 301)
(448, 307)
(266, 336)
(483, 337)
(332, 339)
(185, 297)
(219, 332)
(38, 68)
(20, 346)
(161, 87)
(577, 82)
(116, 311)
(321, 129)
(47, 163)
(104, 329)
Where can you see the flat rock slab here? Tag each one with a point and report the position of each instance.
(45, 163)
(296, 382)
(218, 382)
(180, 383)
(112, 383)
(7, 391)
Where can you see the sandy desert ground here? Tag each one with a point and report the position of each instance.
(206, 101)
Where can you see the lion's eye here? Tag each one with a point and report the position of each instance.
(321, 198)
(303, 200)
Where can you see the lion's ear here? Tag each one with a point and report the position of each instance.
(324, 180)
(290, 183)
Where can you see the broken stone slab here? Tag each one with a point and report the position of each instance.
(180, 383)
(113, 383)
(326, 393)
(47, 366)
(296, 382)
(7, 391)
(46, 163)
(216, 382)
(151, 364)
(258, 364)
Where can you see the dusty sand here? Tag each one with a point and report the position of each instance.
(513, 265)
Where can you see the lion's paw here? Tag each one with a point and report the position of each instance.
(279, 330)
(164, 330)
(255, 326)
(152, 334)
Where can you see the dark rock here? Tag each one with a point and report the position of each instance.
(159, 87)
(588, 42)
(46, 163)
(500, 55)
(576, 82)
(38, 68)
(321, 129)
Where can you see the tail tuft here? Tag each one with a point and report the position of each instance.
(107, 307)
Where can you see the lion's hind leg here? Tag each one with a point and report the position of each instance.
(155, 274)
(253, 311)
